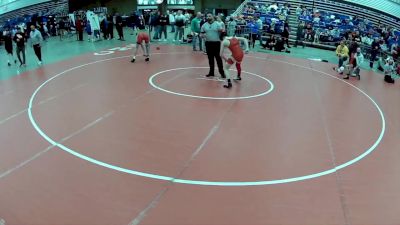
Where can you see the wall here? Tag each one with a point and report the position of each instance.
(121, 6)
(201, 5)
(221, 4)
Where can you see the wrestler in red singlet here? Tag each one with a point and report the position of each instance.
(143, 36)
(236, 57)
(237, 52)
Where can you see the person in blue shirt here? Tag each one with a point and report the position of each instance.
(253, 31)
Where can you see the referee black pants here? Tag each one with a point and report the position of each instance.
(213, 51)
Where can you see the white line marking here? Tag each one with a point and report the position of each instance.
(37, 155)
(266, 92)
(152, 204)
(13, 116)
(108, 114)
(40, 103)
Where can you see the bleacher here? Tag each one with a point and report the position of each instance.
(41, 9)
(327, 8)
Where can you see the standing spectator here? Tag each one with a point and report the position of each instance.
(36, 40)
(221, 23)
(195, 27)
(79, 28)
(8, 44)
(211, 32)
(253, 27)
(156, 25)
(118, 24)
(104, 27)
(110, 27)
(260, 26)
(171, 16)
(180, 25)
(163, 22)
(61, 28)
(202, 22)
(231, 27)
(300, 34)
(20, 40)
(286, 33)
(375, 47)
(89, 31)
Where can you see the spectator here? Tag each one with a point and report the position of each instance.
(253, 27)
(389, 70)
(195, 27)
(79, 28)
(36, 40)
(355, 66)
(180, 20)
(118, 22)
(20, 39)
(163, 22)
(343, 54)
(375, 47)
(309, 32)
(231, 27)
(300, 34)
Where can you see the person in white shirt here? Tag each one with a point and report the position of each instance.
(221, 23)
(171, 21)
(355, 67)
(36, 40)
(180, 21)
(273, 7)
(389, 70)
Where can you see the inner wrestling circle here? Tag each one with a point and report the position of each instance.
(268, 88)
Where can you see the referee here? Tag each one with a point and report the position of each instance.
(211, 31)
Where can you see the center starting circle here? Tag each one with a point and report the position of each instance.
(267, 91)
(202, 182)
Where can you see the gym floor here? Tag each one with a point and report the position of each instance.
(90, 138)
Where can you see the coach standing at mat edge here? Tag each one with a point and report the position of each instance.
(211, 32)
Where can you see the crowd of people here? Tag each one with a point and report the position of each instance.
(272, 32)
(379, 43)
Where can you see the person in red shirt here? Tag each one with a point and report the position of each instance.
(79, 28)
(236, 57)
(142, 40)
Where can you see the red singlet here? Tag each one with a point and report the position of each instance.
(237, 52)
(143, 36)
